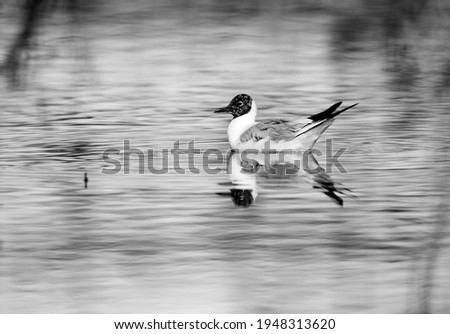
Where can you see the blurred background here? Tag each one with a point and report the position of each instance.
(78, 77)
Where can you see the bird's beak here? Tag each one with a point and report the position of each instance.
(223, 110)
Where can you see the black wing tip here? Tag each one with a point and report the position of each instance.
(353, 105)
(331, 112)
(333, 108)
(342, 110)
(325, 114)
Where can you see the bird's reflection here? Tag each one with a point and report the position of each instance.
(242, 174)
(245, 169)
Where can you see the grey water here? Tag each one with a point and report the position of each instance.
(179, 242)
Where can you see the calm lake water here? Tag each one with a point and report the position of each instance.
(170, 243)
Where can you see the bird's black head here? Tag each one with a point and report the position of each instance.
(239, 105)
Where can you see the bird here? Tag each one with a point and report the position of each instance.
(244, 132)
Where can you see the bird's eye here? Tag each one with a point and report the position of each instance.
(240, 103)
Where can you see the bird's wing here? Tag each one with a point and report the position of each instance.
(274, 129)
(282, 130)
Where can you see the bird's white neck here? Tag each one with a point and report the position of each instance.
(240, 124)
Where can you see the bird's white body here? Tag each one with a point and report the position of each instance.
(304, 141)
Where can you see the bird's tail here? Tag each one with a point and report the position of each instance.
(319, 123)
(330, 112)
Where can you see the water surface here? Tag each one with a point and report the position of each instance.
(155, 243)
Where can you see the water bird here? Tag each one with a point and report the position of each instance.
(244, 132)
(86, 180)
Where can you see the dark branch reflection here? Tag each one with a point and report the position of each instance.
(32, 16)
